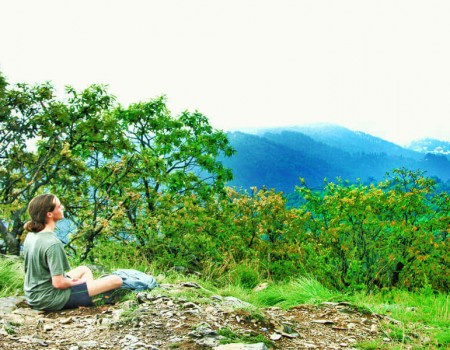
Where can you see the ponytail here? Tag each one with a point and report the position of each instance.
(33, 226)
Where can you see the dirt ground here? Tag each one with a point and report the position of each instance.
(164, 321)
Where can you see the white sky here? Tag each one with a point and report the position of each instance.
(380, 66)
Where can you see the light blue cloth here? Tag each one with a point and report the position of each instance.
(135, 280)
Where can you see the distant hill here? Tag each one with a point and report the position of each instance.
(430, 146)
(278, 157)
(261, 162)
(347, 140)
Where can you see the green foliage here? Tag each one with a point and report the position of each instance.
(145, 188)
(118, 171)
(11, 276)
(298, 291)
(45, 146)
(393, 234)
(443, 338)
(245, 276)
(350, 236)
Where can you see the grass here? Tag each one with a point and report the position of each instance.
(232, 337)
(424, 317)
(11, 276)
(429, 308)
(302, 290)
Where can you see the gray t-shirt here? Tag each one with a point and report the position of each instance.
(44, 257)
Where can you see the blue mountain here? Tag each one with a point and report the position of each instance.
(279, 157)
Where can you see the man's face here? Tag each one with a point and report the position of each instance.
(58, 212)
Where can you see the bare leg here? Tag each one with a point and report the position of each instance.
(103, 284)
(81, 272)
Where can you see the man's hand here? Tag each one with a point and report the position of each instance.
(61, 282)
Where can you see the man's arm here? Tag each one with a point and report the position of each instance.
(61, 282)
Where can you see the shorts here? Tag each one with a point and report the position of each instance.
(79, 296)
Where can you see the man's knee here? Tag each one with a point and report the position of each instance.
(116, 281)
(84, 269)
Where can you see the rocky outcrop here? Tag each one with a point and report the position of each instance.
(183, 316)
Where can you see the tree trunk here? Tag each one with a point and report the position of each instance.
(11, 243)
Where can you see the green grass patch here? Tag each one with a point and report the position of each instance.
(424, 319)
(370, 345)
(233, 337)
(429, 309)
(11, 276)
(443, 338)
(303, 290)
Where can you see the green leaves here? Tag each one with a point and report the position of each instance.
(382, 236)
(115, 169)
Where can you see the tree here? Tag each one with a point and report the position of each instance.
(117, 170)
(170, 158)
(44, 144)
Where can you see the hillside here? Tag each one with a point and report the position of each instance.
(259, 161)
(278, 157)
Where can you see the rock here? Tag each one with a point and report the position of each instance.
(66, 320)
(322, 321)
(208, 341)
(205, 336)
(260, 287)
(191, 285)
(365, 321)
(190, 305)
(174, 339)
(48, 327)
(275, 336)
(36, 340)
(129, 304)
(235, 302)
(351, 326)
(8, 304)
(28, 312)
(240, 346)
(210, 309)
(141, 297)
(286, 329)
(205, 330)
(117, 314)
(151, 347)
(87, 344)
(17, 320)
(329, 303)
(129, 339)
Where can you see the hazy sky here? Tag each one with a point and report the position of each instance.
(380, 66)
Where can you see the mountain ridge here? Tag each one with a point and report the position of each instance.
(279, 157)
